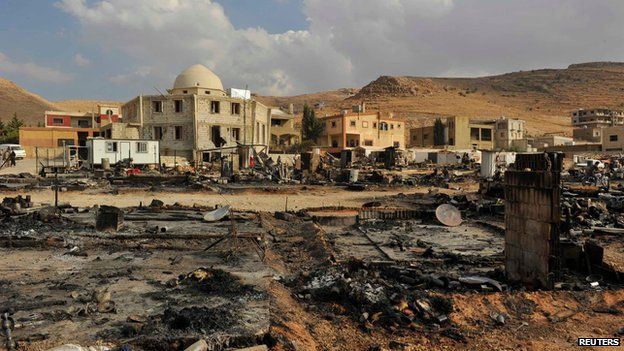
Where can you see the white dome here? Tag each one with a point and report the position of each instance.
(197, 76)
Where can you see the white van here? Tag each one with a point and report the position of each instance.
(20, 153)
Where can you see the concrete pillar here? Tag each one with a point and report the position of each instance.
(532, 216)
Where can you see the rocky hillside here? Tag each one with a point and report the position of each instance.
(31, 107)
(544, 98)
(28, 106)
(84, 105)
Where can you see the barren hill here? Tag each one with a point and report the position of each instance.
(28, 106)
(544, 98)
(84, 105)
(330, 97)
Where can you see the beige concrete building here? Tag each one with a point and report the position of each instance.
(422, 137)
(284, 130)
(588, 123)
(461, 132)
(196, 120)
(506, 131)
(613, 138)
(366, 129)
(545, 141)
(467, 133)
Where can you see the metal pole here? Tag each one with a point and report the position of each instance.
(56, 187)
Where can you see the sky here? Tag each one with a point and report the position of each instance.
(117, 49)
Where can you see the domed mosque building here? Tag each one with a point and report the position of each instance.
(197, 120)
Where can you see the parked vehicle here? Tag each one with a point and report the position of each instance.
(20, 153)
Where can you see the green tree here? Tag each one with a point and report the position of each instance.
(438, 132)
(9, 133)
(311, 127)
(14, 124)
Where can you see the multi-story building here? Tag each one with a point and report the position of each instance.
(66, 128)
(422, 137)
(588, 123)
(461, 133)
(466, 133)
(284, 130)
(197, 119)
(613, 138)
(506, 131)
(361, 129)
(102, 114)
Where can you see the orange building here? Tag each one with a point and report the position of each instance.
(364, 129)
(64, 128)
(53, 138)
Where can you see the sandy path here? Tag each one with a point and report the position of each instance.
(256, 201)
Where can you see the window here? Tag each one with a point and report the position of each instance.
(396, 144)
(177, 133)
(486, 134)
(391, 126)
(84, 123)
(474, 133)
(375, 125)
(333, 124)
(352, 123)
(365, 124)
(425, 136)
(141, 146)
(236, 108)
(334, 143)
(111, 146)
(157, 106)
(65, 142)
(178, 105)
(399, 126)
(158, 133)
(109, 113)
(236, 134)
(207, 92)
(368, 142)
(184, 91)
(215, 107)
(613, 138)
(383, 126)
(57, 121)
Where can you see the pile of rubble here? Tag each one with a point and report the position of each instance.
(388, 296)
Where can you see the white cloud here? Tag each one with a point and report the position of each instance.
(81, 60)
(124, 78)
(350, 42)
(32, 70)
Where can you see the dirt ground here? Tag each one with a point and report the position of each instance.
(293, 198)
(52, 275)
